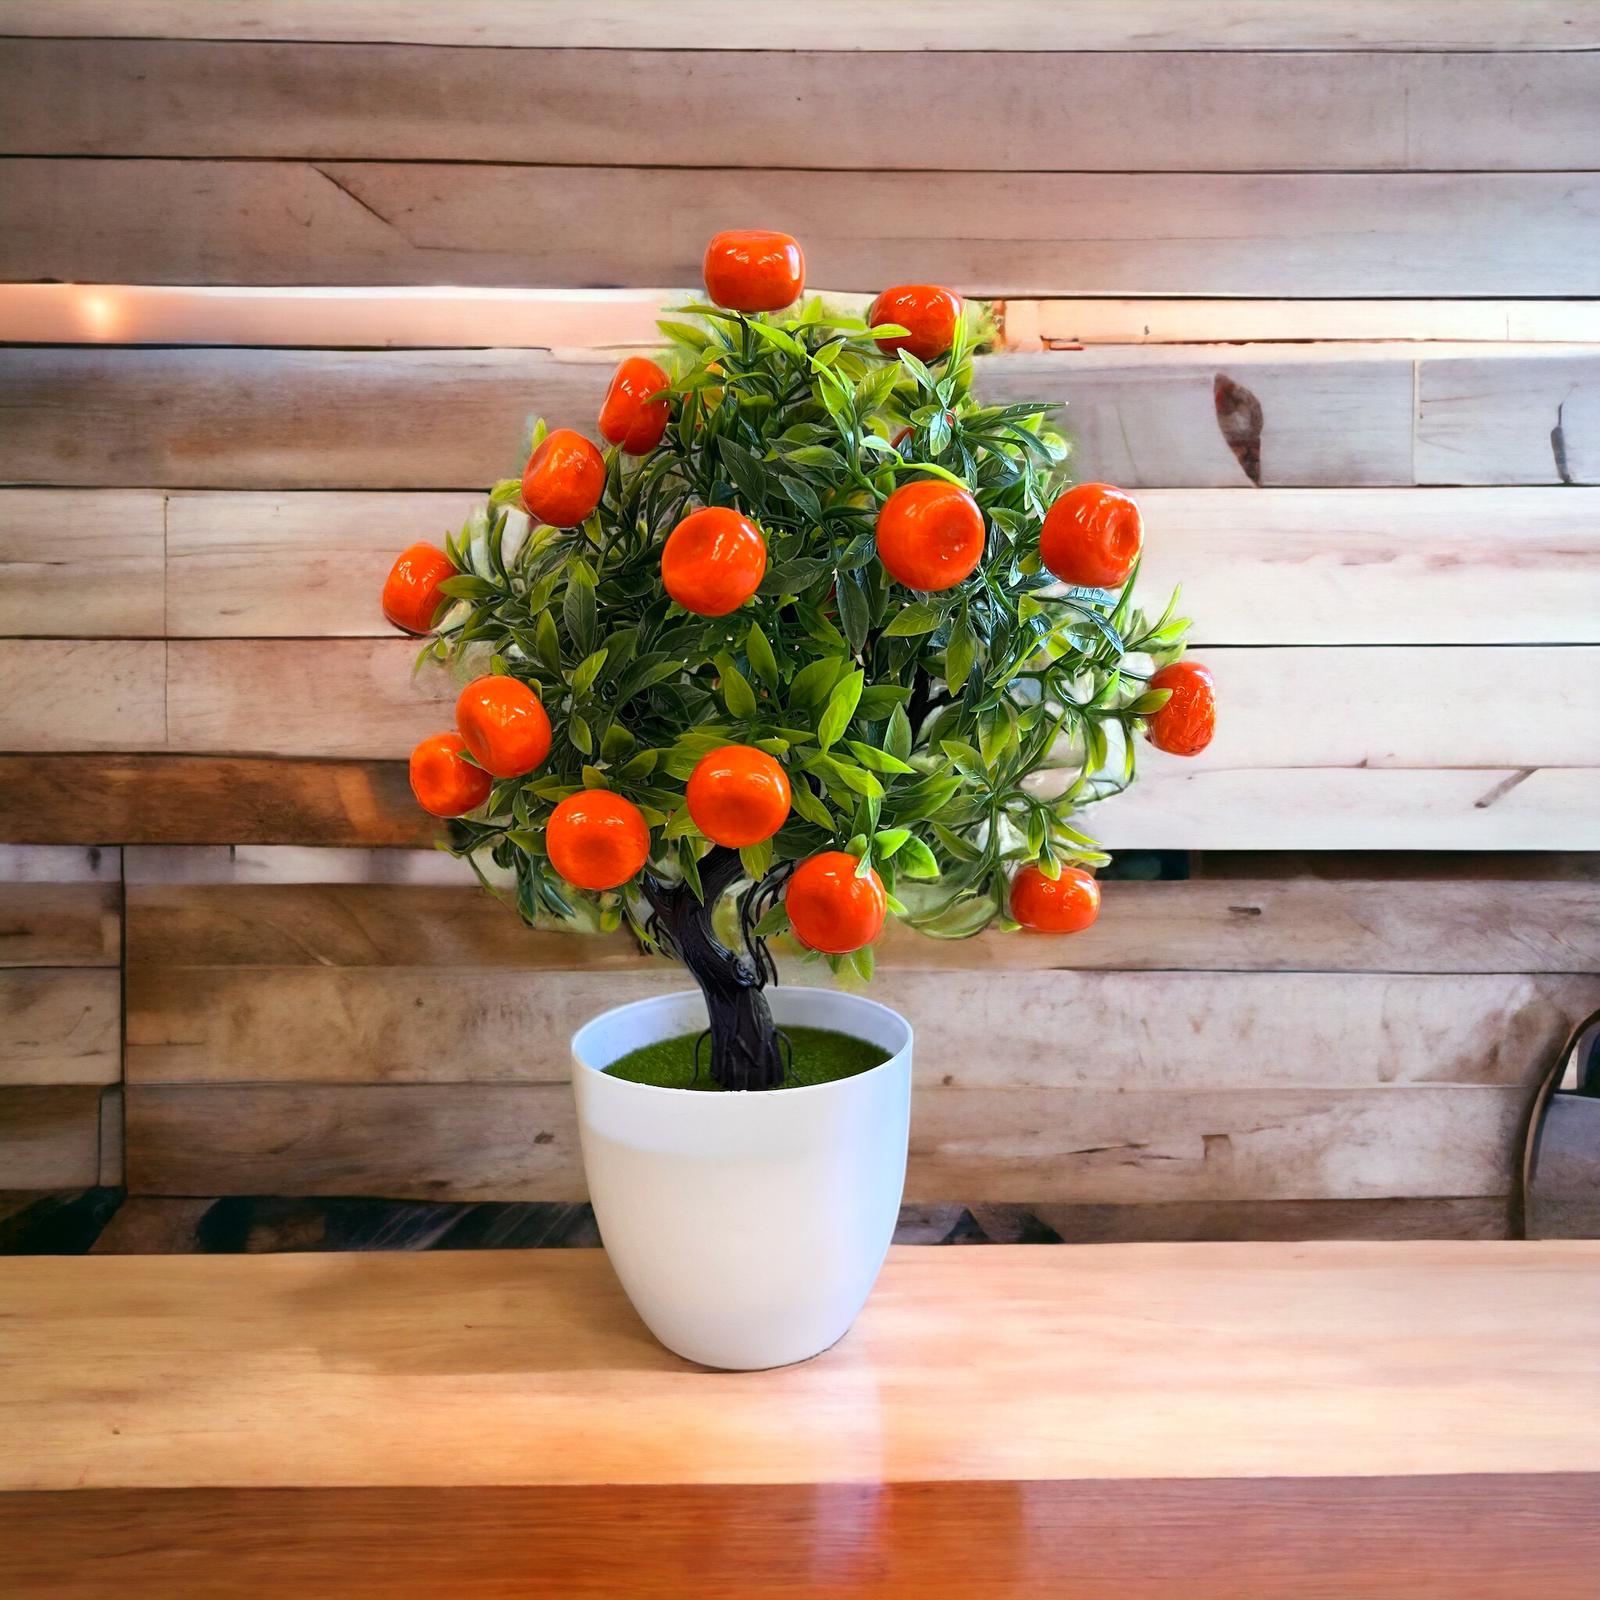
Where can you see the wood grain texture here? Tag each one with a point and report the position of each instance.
(1200, 111)
(353, 699)
(60, 1025)
(88, 565)
(52, 800)
(49, 1136)
(1153, 1030)
(518, 1141)
(1450, 1217)
(1497, 1537)
(1274, 566)
(78, 694)
(835, 24)
(1478, 923)
(487, 1367)
(1146, 417)
(93, 220)
(60, 924)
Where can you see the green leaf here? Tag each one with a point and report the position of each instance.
(887, 842)
(854, 612)
(547, 642)
(840, 708)
(810, 807)
(813, 681)
(910, 621)
(756, 860)
(581, 735)
(762, 661)
(878, 760)
(959, 654)
(588, 671)
(578, 612)
(737, 694)
(897, 737)
(917, 860)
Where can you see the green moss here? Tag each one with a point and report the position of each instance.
(820, 1056)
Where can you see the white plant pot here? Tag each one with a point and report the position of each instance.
(747, 1229)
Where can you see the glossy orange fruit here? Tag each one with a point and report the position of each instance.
(1092, 536)
(443, 783)
(411, 591)
(930, 534)
(713, 561)
(1185, 724)
(504, 725)
(738, 795)
(1067, 904)
(928, 313)
(749, 269)
(564, 479)
(628, 416)
(596, 839)
(830, 908)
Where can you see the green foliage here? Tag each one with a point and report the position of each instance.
(941, 737)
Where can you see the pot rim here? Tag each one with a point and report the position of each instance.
(621, 1085)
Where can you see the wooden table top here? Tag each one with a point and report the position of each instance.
(1105, 1404)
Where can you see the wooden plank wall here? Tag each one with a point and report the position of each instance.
(1326, 302)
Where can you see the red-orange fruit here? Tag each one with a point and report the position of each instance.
(930, 535)
(443, 783)
(1185, 724)
(564, 479)
(628, 416)
(504, 725)
(750, 269)
(1092, 536)
(927, 312)
(713, 561)
(596, 839)
(832, 908)
(411, 593)
(738, 795)
(1067, 904)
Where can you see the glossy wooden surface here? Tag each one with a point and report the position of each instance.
(1424, 1538)
(1005, 1363)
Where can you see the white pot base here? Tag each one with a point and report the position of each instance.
(747, 1229)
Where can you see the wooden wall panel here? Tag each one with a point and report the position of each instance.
(836, 25)
(1280, 566)
(73, 694)
(88, 564)
(60, 1025)
(1202, 112)
(1380, 921)
(49, 1137)
(1314, 234)
(59, 924)
(1145, 417)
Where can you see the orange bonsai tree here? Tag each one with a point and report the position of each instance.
(817, 623)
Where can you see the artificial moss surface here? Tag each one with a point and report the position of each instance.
(820, 1056)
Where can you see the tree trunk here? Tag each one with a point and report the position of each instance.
(747, 1050)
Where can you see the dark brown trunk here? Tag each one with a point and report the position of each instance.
(747, 1050)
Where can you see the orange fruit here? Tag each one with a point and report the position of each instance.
(564, 479)
(928, 313)
(1185, 724)
(628, 416)
(411, 591)
(1067, 904)
(748, 269)
(930, 535)
(830, 908)
(713, 561)
(1092, 536)
(504, 726)
(596, 839)
(443, 783)
(738, 795)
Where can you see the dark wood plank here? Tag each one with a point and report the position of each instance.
(1491, 1537)
(87, 219)
(120, 799)
(916, 110)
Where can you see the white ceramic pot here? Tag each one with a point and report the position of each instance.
(747, 1229)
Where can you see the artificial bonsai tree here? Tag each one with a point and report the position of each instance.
(818, 625)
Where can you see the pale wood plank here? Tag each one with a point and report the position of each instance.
(60, 924)
(1225, 923)
(59, 863)
(372, 223)
(86, 564)
(1353, 808)
(301, 564)
(60, 1025)
(442, 1367)
(1276, 567)
(487, 1141)
(1199, 111)
(1032, 324)
(1492, 420)
(991, 1029)
(49, 1137)
(355, 318)
(69, 694)
(836, 25)
(278, 420)
(348, 698)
